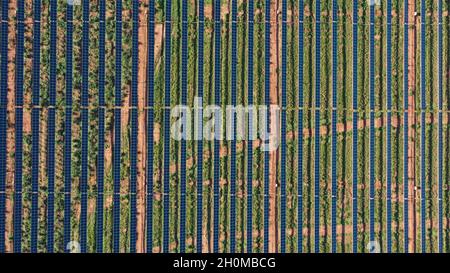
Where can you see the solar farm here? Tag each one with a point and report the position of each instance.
(89, 161)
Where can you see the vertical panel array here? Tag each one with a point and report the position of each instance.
(422, 124)
(250, 127)
(35, 120)
(300, 130)
(333, 129)
(355, 128)
(267, 104)
(233, 141)
(51, 129)
(184, 70)
(134, 124)
(372, 123)
(167, 70)
(84, 125)
(68, 129)
(3, 116)
(405, 125)
(317, 134)
(117, 129)
(389, 128)
(35, 115)
(201, 28)
(217, 122)
(440, 130)
(101, 128)
(150, 117)
(283, 122)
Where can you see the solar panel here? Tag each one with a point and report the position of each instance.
(184, 71)
(84, 126)
(117, 129)
(167, 69)
(388, 129)
(101, 128)
(233, 141)
(300, 129)
(134, 125)
(283, 122)
(372, 124)
(150, 115)
(3, 116)
(355, 128)
(68, 129)
(333, 130)
(440, 130)
(28, 230)
(35, 115)
(51, 129)
(17, 240)
(251, 19)
(422, 123)
(317, 134)
(201, 26)
(217, 90)
(405, 126)
(267, 104)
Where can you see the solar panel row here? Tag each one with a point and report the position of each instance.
(217, 90)
(233, 141)
(201, 28)
(333, 130)
(251, 15)
(440, 129)
(101, 127)
(317, 133)
(150, 115)
(19, 128)
(267, 104)
(388, 128)
(355, 128)
(372, 124)
(117, 130)
(184, 71)
(84, 126)
(283, 122)
(51, 128)
(35, 116)
(167, 70)
(68, 129)
(300, 129)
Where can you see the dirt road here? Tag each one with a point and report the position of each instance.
(141, 156)
(10, 146)
(274, 99)
(411, 129)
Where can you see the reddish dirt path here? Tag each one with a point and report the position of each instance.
(11, 122)
(159, 35)
(411, 129)
(141, 156)
(274, 93)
